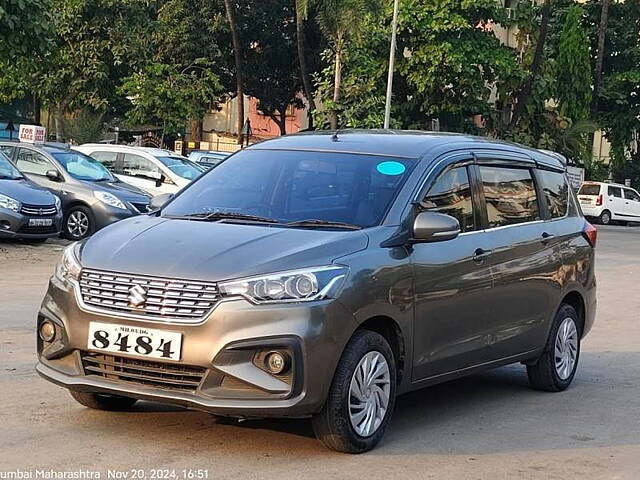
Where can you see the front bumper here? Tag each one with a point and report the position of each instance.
(106, 214)
(16, 225)
(225, 348)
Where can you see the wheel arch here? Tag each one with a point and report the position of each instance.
(576, 300)
(390, 330)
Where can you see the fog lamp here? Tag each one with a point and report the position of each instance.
(47, 331)
(277, 362)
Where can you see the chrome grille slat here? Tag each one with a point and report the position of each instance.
(144, 372)
(38, 210)
(186, 301)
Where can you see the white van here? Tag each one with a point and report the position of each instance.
(151, 169)
(609, 201)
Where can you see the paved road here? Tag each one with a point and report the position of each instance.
(487, 426)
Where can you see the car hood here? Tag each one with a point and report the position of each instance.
(123, 191)
(197, 250)
(25, 191)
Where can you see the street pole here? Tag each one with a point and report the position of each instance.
(392, 61)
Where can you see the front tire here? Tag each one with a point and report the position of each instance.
(556, 367)
(361, 397)
(78, 223)
(103, 402)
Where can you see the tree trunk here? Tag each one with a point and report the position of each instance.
(597, 74)
(57, 122)
(195, 129)
(231, 18)
(525, 92)
(333, 117)
(37, 106)
(304, 73)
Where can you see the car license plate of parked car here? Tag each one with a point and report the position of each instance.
(136, 341)
(40, 222)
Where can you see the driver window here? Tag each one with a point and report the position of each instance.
(451, 195)
(32, 162)
(138, 166)
(631, 195)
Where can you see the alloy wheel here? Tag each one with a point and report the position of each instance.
(78, 224)
(566, 348)
(369, 394)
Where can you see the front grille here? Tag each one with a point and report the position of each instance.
(38, 230)
(38, 210)
(141, 207)
(183, 300)
(144, 372)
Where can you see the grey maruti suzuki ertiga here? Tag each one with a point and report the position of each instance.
(323, 274)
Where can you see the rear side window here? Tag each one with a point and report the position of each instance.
(615, 192)
(556, 192)
(589, 189)
(451, 195)
(510, 195)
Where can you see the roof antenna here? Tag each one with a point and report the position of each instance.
(334, 137)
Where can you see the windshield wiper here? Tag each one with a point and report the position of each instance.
(316, 222)
(7, 177)
(215, 216)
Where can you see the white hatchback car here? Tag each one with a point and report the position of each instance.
(609, 201)
(154, 170)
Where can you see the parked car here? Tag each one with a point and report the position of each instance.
(208, 158)
(91, 196)
(154, 170)
(607, 202)
(26, 210)
(321, 275)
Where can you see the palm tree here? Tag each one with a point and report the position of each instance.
(302, 11)
(235, 38)
(339, 21)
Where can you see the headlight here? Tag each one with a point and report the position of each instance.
(110, 199)
(303, 285)
(69, 267)
(10, 203)
(57, 201)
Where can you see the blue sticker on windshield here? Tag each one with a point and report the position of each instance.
(391, 168)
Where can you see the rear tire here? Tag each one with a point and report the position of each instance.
(103, 402)
(353, 400)
(556, 367)
(605, 217)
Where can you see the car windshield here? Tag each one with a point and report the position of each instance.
(182, 167)
(7, 170)
(589, 189)
(333, 190)
(83, 167)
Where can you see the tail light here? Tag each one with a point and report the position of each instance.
(599, 200)
(590, 233)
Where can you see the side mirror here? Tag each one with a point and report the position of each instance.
(160, 201)
(160, 181)
(53, 175)
(435, 227)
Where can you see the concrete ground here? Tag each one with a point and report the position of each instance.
(486, 426)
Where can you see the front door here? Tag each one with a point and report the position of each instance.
(451, 282)
(35, 166)
(143, 173)
(631, 205)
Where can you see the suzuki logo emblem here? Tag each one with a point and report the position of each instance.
(137, 296)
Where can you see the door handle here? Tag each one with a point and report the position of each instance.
(481, 254)
(546, 237)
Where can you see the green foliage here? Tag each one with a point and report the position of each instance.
(573, 71)
(25, 28)
(84, 126)
(170, 94)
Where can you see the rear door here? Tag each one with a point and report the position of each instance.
(631, 205)
(615, 202)
(589, 194)
(525, 255)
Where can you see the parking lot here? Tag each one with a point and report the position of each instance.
(486, 426)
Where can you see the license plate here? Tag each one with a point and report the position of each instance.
(40, 222)
(136, 341)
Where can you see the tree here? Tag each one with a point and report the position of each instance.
(239, 72)
(597, 74)
(341, 21)
(302, 11)
(274, 75)
(25, 28)
(574, 68)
